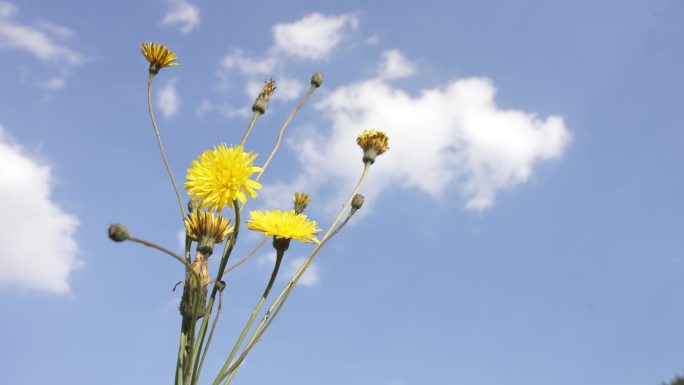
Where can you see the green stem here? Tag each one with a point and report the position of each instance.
(274, 309)
(194, 358)
(252, 317)
(282, 130)
(161, 148)
(165, 250)
(255, 115)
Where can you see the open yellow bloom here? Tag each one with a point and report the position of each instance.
(284, 225)
(158, 56)
(221, 175)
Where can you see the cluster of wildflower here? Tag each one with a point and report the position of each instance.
(225, 178)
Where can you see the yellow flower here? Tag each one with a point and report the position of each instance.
(207, 230)
(284, 225)
(221, 175)
(158, 56)
(373, 143)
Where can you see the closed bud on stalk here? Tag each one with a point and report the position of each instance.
(317, 79)
(118, 233)
(356, 203)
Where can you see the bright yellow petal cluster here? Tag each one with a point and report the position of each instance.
(284, 225)
(221, 175)
(158, 56)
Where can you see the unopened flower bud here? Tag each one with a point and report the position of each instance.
(301, 200)
(194, 290)
(356, 202)
(118, 233)
(317, 79)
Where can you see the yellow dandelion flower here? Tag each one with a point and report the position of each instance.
(373, 143)
(284, 225)
(301, 200)
(207, 229)
(220, 176)
(158, 56)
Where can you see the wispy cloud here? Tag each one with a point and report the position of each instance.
(39, 248)
(314, 36)
(183, 14)
(393, 65)
(43, 40)
(446, 139)
(168, 100)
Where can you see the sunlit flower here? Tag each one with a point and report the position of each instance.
(373, 143)
(284, 225)
(264, 97)
(221, 175)
(158, 56)
(207, 229)
(301, 200)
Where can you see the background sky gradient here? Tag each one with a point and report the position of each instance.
(524, 229)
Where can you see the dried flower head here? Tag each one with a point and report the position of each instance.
(373, 143)
(284, 225)
(264, 97)
(207, 229)
(221, 175)
(301, 200)
(158, 56)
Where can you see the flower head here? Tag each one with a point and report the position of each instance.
(264, 97)
(158, 56)
(221, 175)
(284, 225)
(301, 200)
(373, 143)
(207, 229)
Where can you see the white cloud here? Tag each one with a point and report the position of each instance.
(33, 39)
(40, 40)
(37, 236)
(168, 100)
(447, 139)
(183, 14)
(246, 65)
(393, 65)
(289, 267)
(314, 36)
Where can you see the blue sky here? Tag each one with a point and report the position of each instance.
(525, 227)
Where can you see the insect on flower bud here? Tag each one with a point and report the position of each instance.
(118, 233)
(317, 79)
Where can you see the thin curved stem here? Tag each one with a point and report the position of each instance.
(255, 115)
(274, 309)
(246, 257)
(282, 130)
(255, 312)
(161, 148)
(167, 251)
